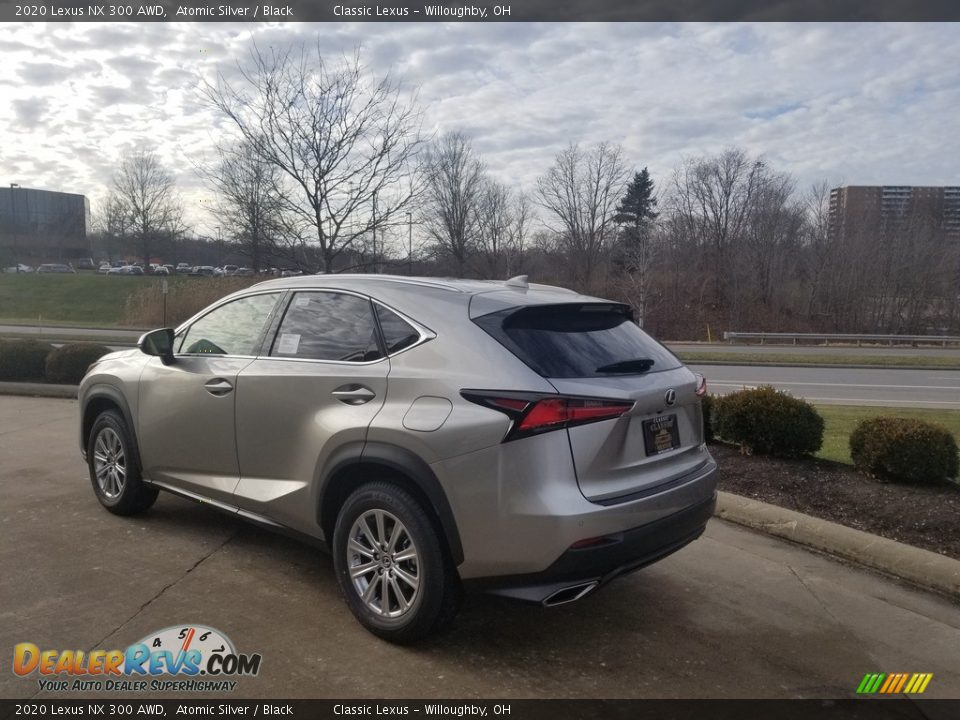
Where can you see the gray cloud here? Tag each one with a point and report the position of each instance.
(871, 103)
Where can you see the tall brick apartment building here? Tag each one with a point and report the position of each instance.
(871, 207)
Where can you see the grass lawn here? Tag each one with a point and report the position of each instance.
(824, 359)
(840, 420)
(84, 299)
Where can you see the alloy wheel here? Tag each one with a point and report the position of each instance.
(384, 564)
(109, 463)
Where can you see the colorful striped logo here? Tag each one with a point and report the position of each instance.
(884, 684)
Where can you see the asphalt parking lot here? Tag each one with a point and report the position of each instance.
(736, 614)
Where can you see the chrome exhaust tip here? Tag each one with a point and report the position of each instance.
(570, 594)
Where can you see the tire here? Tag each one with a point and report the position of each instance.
(384, 514)
(114, 465)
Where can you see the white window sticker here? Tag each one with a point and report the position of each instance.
(301, 301)
(289, 342)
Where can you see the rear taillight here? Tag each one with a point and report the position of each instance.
(533, 414)
(701, 385)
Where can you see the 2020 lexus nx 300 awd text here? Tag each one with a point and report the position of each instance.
(436, 435)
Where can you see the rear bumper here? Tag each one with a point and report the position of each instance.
(578, 572)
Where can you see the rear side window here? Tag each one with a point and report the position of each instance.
(327, 326)
(578, 340)
(398, 334)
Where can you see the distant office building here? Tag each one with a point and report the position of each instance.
(872, 207)
(40, 225)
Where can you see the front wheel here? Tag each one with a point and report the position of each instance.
(114, 467)
(391, 566)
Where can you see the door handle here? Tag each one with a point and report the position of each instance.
(218, 387)
(354, 394)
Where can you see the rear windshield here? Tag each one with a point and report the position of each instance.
(578, 341)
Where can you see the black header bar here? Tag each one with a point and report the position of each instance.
(478, 10)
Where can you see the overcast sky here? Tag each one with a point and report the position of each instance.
(852, 104)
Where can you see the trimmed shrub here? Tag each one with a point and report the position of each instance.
(68, 363)
(707, 410)
(904, 450)
(23, 359)
(765, 421)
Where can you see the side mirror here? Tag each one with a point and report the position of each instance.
(158, 343)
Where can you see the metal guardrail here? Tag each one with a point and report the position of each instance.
(827, 338)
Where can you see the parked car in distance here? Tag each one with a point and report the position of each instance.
(203, 271)
(244, 272)
(436, 435)
(18, 268)
(85, 264)
(161, 270)
(229, 270)
(126, 270)
(104, 268)
(184, 267)
(59, 268)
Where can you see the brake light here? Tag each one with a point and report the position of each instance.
(533, 414)
(701, 385)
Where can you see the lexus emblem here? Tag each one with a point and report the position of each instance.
(671, 396)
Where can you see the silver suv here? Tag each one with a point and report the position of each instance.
(437, 435)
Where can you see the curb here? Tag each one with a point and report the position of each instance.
(38, 390)
(923, 568)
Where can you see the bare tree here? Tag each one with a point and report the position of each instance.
(455, 184)
(580, 193)
(345, 141)
(146, 193)
(249, 205)
(502, 221)
(113, 224)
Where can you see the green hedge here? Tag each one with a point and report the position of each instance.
(68, 363)
(904, 450)
(23, 360)
(766, 421)
(707, 409)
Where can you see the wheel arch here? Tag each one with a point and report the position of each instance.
(97, 400)
(357, 462)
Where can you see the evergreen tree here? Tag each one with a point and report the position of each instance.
(635, 213)
(637, 208)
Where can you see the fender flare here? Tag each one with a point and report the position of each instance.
(109, 392)
(408, 464)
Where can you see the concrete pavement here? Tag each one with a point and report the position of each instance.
(736, 614)
(848, 350)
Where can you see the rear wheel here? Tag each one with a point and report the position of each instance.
(391, 565)
(114, 466)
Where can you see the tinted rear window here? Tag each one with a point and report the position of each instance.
(578, 341)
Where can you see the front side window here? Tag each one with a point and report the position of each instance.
(235, 328)
(327, 326)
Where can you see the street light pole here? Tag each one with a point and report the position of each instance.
(409, 243)
(13, 229)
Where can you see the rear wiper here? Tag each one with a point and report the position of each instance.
(627, 366)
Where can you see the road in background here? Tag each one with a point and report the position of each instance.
(69, 332)
(898, 387)
(847, 350)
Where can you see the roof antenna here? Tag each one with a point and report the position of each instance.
(519, 282)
